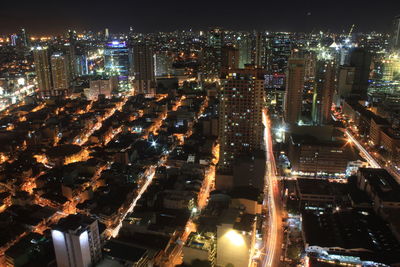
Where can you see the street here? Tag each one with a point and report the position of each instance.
(273, 232)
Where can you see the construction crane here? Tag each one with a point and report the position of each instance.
(351, 31)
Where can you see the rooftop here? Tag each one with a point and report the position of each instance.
(75, 222)
(384, 185)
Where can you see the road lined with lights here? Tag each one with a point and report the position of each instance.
(364, 153)
(273, 234)
(369, 158)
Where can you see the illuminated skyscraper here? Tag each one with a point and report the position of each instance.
(396, 33)
(212, 54)
(116, 62)
(211, 64)
(72, 36)
(106, 34)
(278, 51)
(259, 53)
(60, 71)
(163, 63)
(76, 241)
(240, 117)
(143, 69)
(391, 69)
(245, 49)
(216, 39)
(13, 39)
(294, 90)
(323, 92)
(24, 40)
(43, 71)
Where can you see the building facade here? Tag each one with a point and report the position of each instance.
(43, 69)
(143, 69)
(76, 241)
(60, 71)
(241, 107)
(294, 90)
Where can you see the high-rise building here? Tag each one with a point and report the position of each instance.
(396, 33)
(106, 34)
(245, 49)
(13, 39)
(24, 40)
(241, 107)
(294, 90)
(230, 58)
(310, 67)
(278, 51)
(76, 241)
(60, 70)
(117, 63)
(212, 54)
(101, 87)
(42, 68)
(324, 89)
(391, 69)
(345, 81)
(81, 65)
(72, 37)
(211, 64)
(216, 39)
(143, 69)
(360, 59)
(163, 63)
(259, 53)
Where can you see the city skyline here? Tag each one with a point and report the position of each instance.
(200, 148)
(301, 16)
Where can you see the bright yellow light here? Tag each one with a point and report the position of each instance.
(235, 238)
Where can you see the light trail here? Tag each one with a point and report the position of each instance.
(272, 200)
(149, 179)
(371, 161)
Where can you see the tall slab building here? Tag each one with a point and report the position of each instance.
(323, 92)
(60, 69)
(241, 107)
(294, 90)
(76, 241)
(143, 69)
(43, 70)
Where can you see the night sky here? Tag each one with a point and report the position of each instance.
(40, 17)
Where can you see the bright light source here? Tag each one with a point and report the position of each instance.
(194, 210)
(57, 236)
(235, 238)
(153, 143)
(21, 81)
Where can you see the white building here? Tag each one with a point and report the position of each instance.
(76, 241)
(235, 238)
(101, 87)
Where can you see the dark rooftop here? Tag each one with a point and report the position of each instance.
(385, 186)
(74, 222)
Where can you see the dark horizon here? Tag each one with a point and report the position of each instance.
(155, 16)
